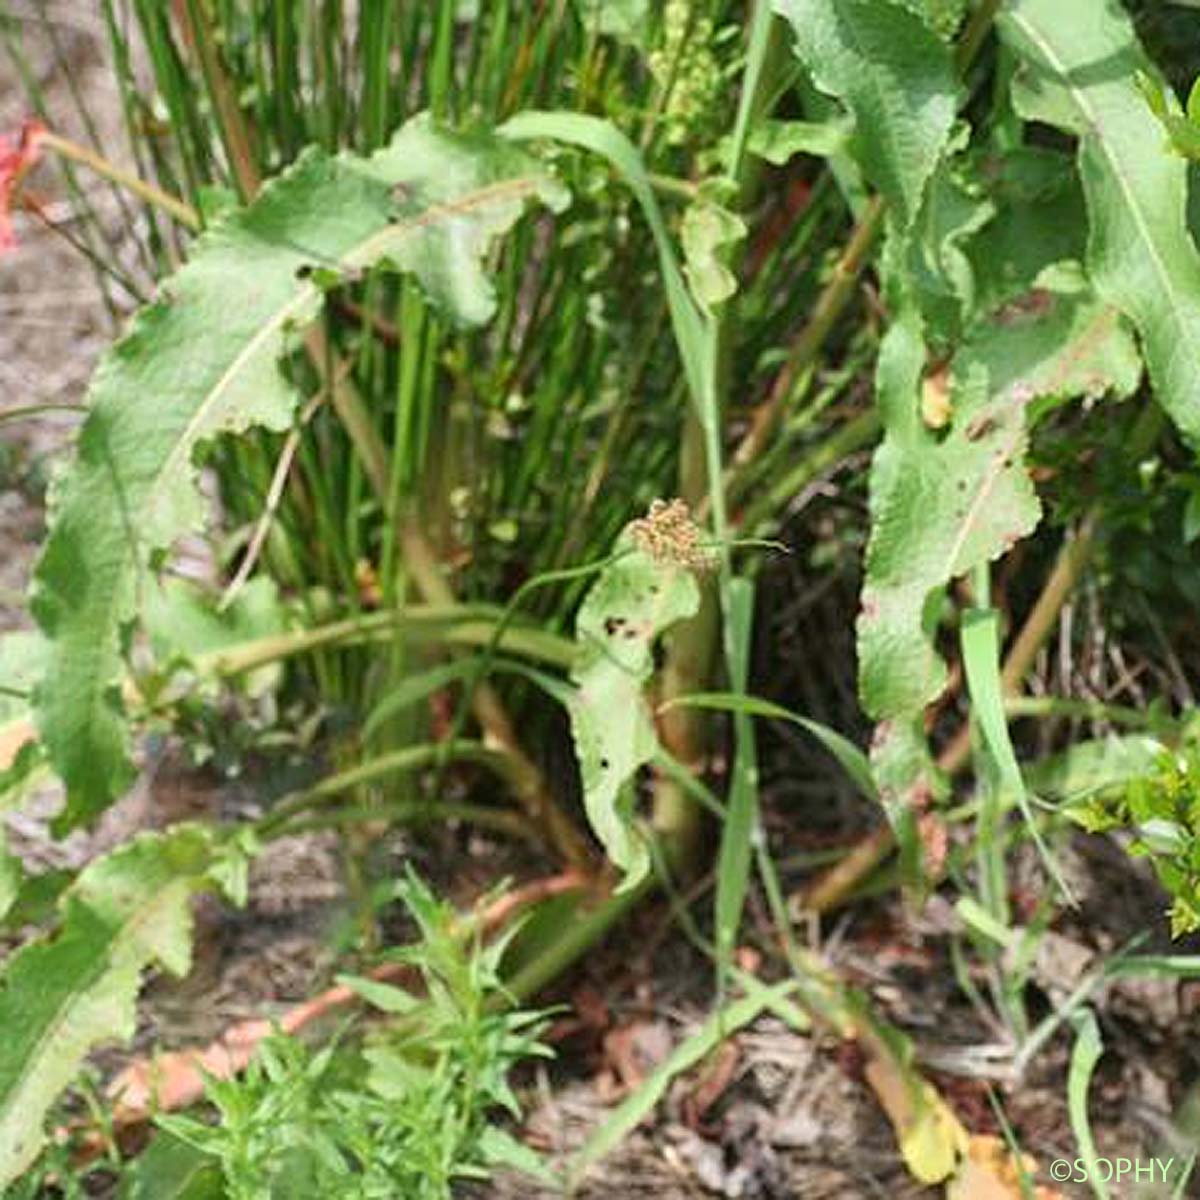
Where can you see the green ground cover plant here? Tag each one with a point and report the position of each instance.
(489, 348)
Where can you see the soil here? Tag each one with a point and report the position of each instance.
(794, 1117)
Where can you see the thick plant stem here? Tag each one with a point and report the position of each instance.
(529, 783)
(689, 656)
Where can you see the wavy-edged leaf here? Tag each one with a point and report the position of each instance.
(204, 361)
(634, 600)
(944, 504)
(707, 230)
(778, 141)
(1079, 61)
(940, 508)
(894, 75)
(1052, 343)
(61, 996)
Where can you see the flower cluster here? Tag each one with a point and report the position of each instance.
(668, 534)
(684, 62)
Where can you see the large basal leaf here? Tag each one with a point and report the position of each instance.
(944, 502)
(940, 506)
(204, 361)
(61, 996)
(896, 78)
(635, 599)
(1078, 63)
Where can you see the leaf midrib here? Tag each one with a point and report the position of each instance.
(1079, 98)
(357, 255)
(10, 1111)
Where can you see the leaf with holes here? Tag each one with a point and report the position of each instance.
(634, 600)
(205, 361)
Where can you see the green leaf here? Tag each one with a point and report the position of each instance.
(937, 267)
(1079, 60)
(63, 995)
(424, 683)
(1040, 220)
(896, 78)
(205, 361)
(1191, 518)
(942, 16)
(707, 230)
(383, 996)
(778, 141)
(1085, 1054)
(183, 621)
(851, 759)
(172, 1169)
(939, 508)
(1193, 102)
(498, 1148)
(634, 599)
(628, 20)
(742, 827)
(22, 654)
(22, 660)
(641, 1102)
(1089, 768)
(1053, 344)
(981, 663)
(691, 328)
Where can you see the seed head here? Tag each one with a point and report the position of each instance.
(668, 534)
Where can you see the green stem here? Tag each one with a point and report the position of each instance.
(452, 624)
(410, 758)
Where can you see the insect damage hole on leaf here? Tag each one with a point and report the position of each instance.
(648, 586)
